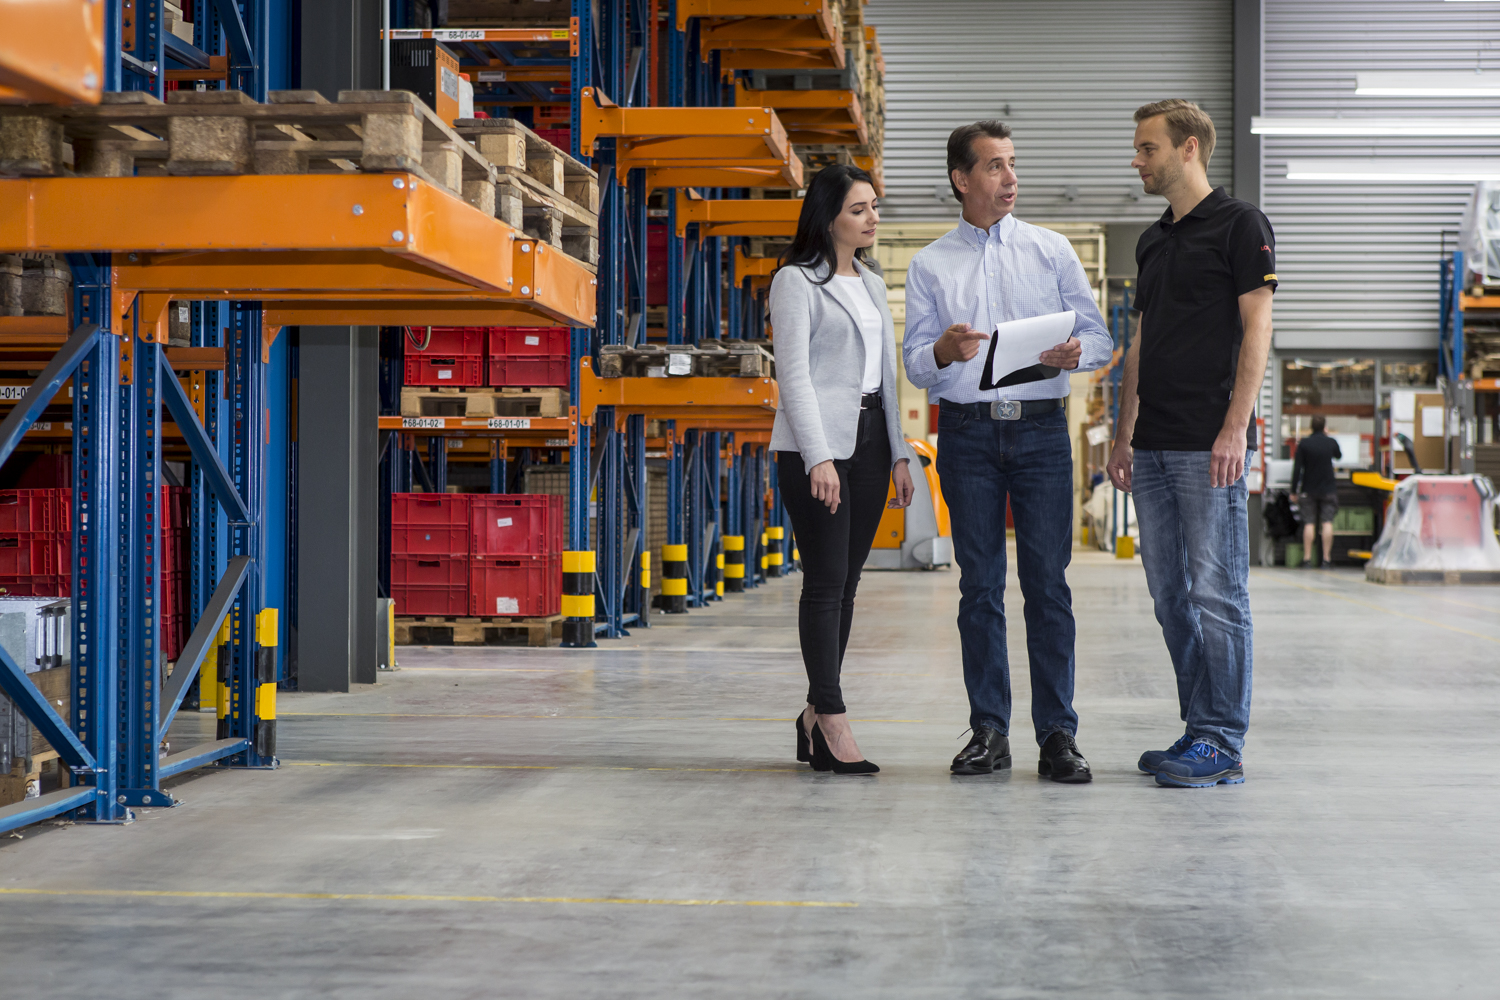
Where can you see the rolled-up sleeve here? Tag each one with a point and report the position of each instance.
(923, 327)
(1093, 336)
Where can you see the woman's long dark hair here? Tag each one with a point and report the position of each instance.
(821, 205)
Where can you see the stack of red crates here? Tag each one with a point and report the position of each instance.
(445, 355)
(562, 138)
(495, 356)
(430, 553)
(476, 554)
(36, 552)
(517, 545)
(529, 355)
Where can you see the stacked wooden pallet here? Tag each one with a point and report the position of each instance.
(710, 358)
(548, 193)
(483, 401)
(520, 178)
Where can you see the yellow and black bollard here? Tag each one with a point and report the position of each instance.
(734, 563)
(775, 560)
(719, 575)
(674, 585)
(765, 558)
(221, 677)
(578, 598)
(266, 629)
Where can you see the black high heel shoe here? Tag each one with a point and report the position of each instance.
(824, 760)
(804, 747)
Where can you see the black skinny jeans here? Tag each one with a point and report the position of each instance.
(833, 548)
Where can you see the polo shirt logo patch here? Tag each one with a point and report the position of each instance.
(1269, 277)
(1266, 249)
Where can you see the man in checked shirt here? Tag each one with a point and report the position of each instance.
(1010, 441)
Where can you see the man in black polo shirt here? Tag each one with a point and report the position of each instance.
(1207, 272)
(1312, 469)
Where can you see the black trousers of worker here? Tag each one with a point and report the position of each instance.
(833, 548)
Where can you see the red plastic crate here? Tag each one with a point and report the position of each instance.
(518, 585)
(443, 516)
(30, 510)
(36, 586)
(526, 341)
(29, 555)
(429, 540)
(516, 524)
(444, 371)
(173, 556)
(656, 263)
(173, 636)
(562, 138)
(436, 586)
(173, 593)
(453, 355)
(528, 371)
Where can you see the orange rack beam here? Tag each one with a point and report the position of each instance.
(811, 116)
(773, 217)
(334, 244)
(52, 52)
(766, 34)
(715, 402)
(726, 147)
(533, 35)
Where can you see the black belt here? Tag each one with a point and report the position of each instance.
(1005, 409)
(871, 401)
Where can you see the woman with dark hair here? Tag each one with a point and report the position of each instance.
(837, 435)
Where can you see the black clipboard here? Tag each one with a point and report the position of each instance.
(1031, 373)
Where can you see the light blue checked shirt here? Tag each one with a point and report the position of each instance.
(1013, 271)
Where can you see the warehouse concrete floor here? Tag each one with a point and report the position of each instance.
(629, 822)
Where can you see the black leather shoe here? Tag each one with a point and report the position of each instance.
(1061, 760)
(988, 751)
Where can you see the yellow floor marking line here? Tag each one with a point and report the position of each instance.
(591, 718)
(380, 897)
(544, 767)
(1466, 604)
(1382, 610)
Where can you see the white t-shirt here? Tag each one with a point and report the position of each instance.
(871, 328)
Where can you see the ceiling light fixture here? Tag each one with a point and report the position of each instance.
(1395, 169)
(1374, 126)
(1436, 84)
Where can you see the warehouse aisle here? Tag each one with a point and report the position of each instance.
(628, 822)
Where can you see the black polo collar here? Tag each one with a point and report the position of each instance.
(1202, 210)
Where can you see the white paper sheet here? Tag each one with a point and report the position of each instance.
(1432, 421)
(1020, 343)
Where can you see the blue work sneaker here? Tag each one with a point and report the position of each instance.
(1151, 760)
(1202, 766)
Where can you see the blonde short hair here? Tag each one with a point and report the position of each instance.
(1184, 118)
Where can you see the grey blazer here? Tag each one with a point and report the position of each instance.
(820, 365)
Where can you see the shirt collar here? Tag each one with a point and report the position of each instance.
(1203, 209)
(1000, 230)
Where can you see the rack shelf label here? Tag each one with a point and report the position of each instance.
(510, 423)
(424, 423)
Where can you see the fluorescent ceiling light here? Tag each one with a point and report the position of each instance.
(1445, 84)
(1375, 126)
(1393, 169)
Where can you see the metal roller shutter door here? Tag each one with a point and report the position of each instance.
(1070, 72)
(1359, 262)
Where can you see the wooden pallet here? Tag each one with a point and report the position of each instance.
(1433, 577)
(711, 359)
(478, 631)
(553, 197)
(483, 401)
(221, 132)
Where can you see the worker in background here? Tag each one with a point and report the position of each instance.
(1185, 434)
(1004, 442)
(837, 435)
(1312, 469)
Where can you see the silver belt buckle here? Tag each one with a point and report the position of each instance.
(1005, 409)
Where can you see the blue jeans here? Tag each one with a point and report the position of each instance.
(980, 462)
(1195, 546)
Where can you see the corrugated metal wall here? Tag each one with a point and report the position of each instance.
(1066, 74)
(1359, 262)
